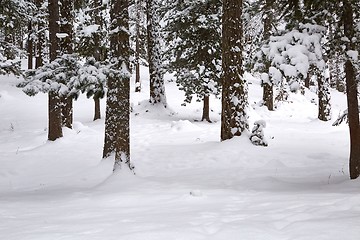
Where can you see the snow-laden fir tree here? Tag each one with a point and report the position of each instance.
(257, 136)
(194, 37)
(291, 56)
(156, 71)
(92, 44)
(234, 118)
(117, 121)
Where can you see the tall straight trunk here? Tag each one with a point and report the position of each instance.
(97, 113)
(324, 113)
(40, 38)
(352, 92)
(157, 84)
(117, 121)
(268, 92)
(206, 109)
(137, 48)
(66, 47)
(234, 119)
(55, 130)
(30, 46)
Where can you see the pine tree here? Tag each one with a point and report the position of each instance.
(117, 128)
(194, 39)
(234, 119)
(157, 84)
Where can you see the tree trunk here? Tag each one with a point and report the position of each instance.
(157, 85)
(30, 47)
(55, 130)
(352, 92)
(66, 47)
(234, 119)
(117, 121)
(67, 111)
(206, 109)
(97, 113)
(40, 38)
(324, 98)
(268, 92)
(137, 50)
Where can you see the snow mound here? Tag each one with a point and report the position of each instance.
(184, 126)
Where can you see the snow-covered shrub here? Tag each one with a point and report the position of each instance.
(257, 134)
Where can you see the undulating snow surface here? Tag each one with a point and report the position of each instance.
(188, 184)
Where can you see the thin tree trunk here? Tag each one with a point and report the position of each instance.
(30, 47)
(234, 119)
(206, 109)
(324, 98)
(352, 92)
(137, 50)
(97, 113)
(268, 92)
(55, 130)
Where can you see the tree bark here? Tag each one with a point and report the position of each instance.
(234, 119)
(268, 92)
(30, 46)
(117, 121)
(352, 92)
(55, 130)
(157, 85)
(324, 97)
(206, 109)
(137, 49)
(97, 113)
(67, 47)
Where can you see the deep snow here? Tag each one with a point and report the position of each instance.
(188, 184)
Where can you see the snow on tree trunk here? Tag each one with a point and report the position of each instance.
(55, 130)
(157, 86)
(30, 45)
(234, 119)
(117, 121)
(324, 97)
(352, 92)
(66, 47)
(137, 48)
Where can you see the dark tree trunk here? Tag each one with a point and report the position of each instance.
(55, 130)
(268, 92)
(66, 47)
(206, 109)
(137, 50)
(234, 120)
(97, 113)
(117, 121)
(352, 92)
(157, 87)
(40, 38)
(30, 46)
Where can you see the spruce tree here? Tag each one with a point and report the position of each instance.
(194, 39)
(234, 118)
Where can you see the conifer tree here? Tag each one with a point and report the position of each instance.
(117, 121)
(234, 118)
(194, 39)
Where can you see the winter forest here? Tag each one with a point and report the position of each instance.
(179, 119)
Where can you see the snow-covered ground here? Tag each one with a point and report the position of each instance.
(188, 185)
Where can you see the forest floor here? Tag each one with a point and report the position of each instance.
(188, 185)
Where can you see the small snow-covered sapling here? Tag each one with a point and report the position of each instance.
(257, 134)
